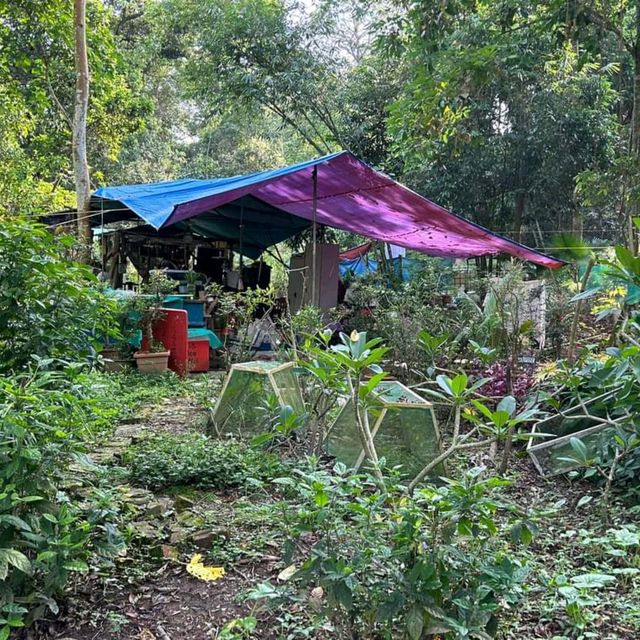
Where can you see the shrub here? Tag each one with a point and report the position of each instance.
(47, 307)
(44, 535)
(498, 386)
(388, 565)
(168, 460)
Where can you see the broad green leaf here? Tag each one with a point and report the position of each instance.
(586, 294)
(459, 384)
(584, 500)
(17, 559)
(444, 382)
(343, 594)
(507, 404)
(483, 409)
(76, 565)
(579, 449)
(592, 580)
(415, 622)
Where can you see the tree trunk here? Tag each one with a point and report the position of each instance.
(634, 208)
(518, 215)
(520, 193)
(79, 142)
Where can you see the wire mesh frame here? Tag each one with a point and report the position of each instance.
(267, 369)
(413, 401)
(536, 451)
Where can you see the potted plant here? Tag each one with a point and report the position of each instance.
(116, 357)
(191, 278)
(152, 357)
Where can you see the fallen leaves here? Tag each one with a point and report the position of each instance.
(197, 569)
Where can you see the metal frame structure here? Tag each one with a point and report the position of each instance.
(385, 404)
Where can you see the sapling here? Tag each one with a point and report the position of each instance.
(489, 426)
(345, 367)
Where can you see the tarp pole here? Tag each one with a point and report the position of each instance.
(314, 178)
(241, 264)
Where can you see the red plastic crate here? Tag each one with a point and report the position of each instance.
(198, 357)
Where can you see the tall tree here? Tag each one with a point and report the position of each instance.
(37, 96)
(79, 142)
(501, 113)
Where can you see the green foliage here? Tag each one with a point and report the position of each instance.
(45, 535)
(418, 330)
(47, 306)
(146, 307)
(282, 424)
(392, 566)
(602, 389)
(167, 460)
(499, 113)
(238, 629)
(37, 80)
(307, 322)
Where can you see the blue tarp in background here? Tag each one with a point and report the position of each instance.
(363, 265)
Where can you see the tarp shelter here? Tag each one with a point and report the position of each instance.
(260, 209)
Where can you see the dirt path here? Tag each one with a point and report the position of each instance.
(148, 594)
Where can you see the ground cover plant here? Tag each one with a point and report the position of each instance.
(166, 461)
(385, 565)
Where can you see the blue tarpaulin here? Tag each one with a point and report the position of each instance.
(364, 265)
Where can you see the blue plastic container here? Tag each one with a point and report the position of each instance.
(195, 312)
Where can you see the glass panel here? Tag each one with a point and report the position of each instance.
(260, 365)
(343, 441)
(407, 437)
(546, 452)
(393, 392)
(240, 409)
(549, 454)
(287, 383)
(562, 425)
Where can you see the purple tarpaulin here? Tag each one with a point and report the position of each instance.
(351, 196)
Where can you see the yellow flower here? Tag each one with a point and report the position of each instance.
(198, 570)
(546, 371)
(355, 336)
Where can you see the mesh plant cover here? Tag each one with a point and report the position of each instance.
(404, 429)
(550, 457)
(549, 454)
(240, 410)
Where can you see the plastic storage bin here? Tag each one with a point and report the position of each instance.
(198, 357)
(195, 310)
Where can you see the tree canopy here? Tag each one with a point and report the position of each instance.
(519, 115)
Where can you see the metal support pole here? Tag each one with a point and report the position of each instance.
(314, 178)
(241, 264)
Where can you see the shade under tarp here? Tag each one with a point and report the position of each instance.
(350, 196)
